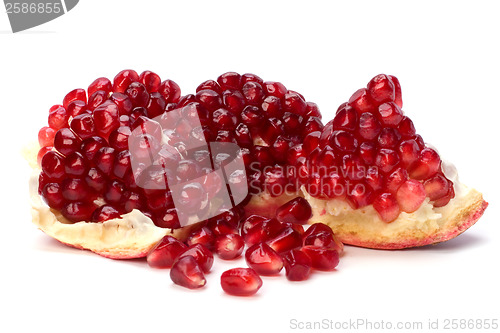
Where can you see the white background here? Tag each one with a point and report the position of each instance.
(446, 56)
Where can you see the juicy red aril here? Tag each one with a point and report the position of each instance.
(374, 179)
(52, 194)
(77, 211)
(201, 254)
(381, 89)
(296, 210)
(53, 165)
(390, 114)
(105, 213)
(209, 84)
(58, 117)
(133, 201)
(76, 108)
(388, 138)
(240, 282)
(229, 81)
(123, 103)
(396, 179)
(75, 165)
(83, 125)
(285, 241)
(46, 136)
(410, 195)
(406, 128)
(386, 206)
(323, 259)
(138, 94)
(426, 165)
(106, 118)
(253, 93)
(150, 80)
(102, 83)
(209, 99)
(436, 187)
(361, 101)
(250, 222)
(118, 139)
(398, 99)
(74, 189)
(317, 228)
(75, 95)
(444, 200)
(234, 101)
(408, 152)
(163, 254)
(272, 107)
(324, 240)
(263, 259)
(170, 91)
(359, 196)
(89, 147)
(369, 126)
(186, 272)
(297, 265)
(95, 179)
(65, 141)
(386, 159)
(123, 79)
(115, 192)
(167, 219)
(104, 159)
(275, 89)
(346, 119)
(229, 246)
(344, 141)
(248, 77)
(96, 99)
(224, 119)
(41, 154)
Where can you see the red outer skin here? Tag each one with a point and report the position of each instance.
(439, 237)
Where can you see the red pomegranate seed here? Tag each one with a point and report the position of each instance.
(312, 110)
(123, 79)
(276, 180)
(46, 136)
(209, 99)
(240, 282)
(104, 159)
(312, 124)
(381, 89)
(427, 164)
(294, 103)
(76, 108)
(296, 210)
(52, 194)
(106, 118)
(201, 254)
(344, 141)
(250, 222)
(115, 192)
(361, 101)
(386, 159)
(58, 117)
(410, 195)
(170, 91)
(234, 101)
(118, 139)
(346, 119)
(263, 259)
(102, 83)
(324, 239)
(96, 99)
(105, 213)
(369, 126)
(74, 189)
(220, 227)
(390, 114)
(408, 152)
(41, 154)
(388, 138)
(275, 89)
(96, 180)
(133, 201)
(163, 254)
(229, 81)
(209, 84)
(248, 77)
(83, 125)
(406, 128)
(285, 241)
(253, 93)
(297, 265)
(396, 179)
(75, 165)
(75, 95)
(292, 122)
(386, 206)
(77, 211)
(360, 196)
(66, 142)
(224, 119)
(123, 103)
(311, 141)
(186, 273)
(229, 246)
(444, 200)
(272, 107)
(436, 187)
(150, 80)
(168, 219)
(374, 179)
(367, 152)
(323, 259)
(137, 94)
(397, 91)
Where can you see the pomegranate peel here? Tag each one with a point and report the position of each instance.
(428, 225)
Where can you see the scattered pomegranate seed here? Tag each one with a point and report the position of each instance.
(186, 273)
(165, 252)
(203, 256)
(323, 259)
(297, 265)
(263, 259)
(296, 210)
(240, 282)
(229, 246)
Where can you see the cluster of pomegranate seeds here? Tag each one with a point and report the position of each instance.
(88, 150)
(271, 245)
(370, 154)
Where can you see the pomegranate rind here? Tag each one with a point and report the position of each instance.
(428, 225)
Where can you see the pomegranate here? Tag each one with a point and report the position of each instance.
(240, 282)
